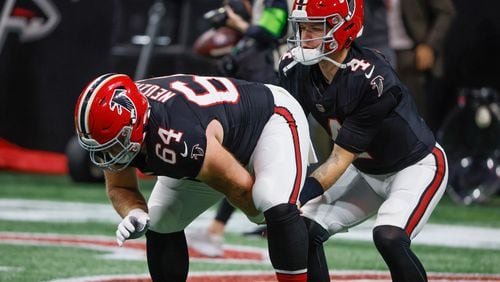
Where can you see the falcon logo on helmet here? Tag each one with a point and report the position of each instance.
(110, 119)
(121, 101)
(342, 22)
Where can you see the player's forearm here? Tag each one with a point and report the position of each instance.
(326, 173)
(126, 199)
(123, 191)
(244, 202)
(335, 165)
(235, 182)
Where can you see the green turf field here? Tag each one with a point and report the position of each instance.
(25, 261)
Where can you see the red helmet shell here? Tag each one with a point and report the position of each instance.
(347, 12)
(107, 105)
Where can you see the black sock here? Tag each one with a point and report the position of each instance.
(317, 266)
(168, 258)
(224, 211)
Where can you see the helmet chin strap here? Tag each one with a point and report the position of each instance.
(342, 66)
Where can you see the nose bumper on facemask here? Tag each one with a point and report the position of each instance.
(306, 56)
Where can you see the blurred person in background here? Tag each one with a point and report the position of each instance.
(254, 58)
(417, 29)
(376, 30)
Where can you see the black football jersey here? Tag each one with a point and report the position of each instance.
(366, 109)
(182, 106)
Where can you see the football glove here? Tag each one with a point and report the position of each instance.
(133, 226)
(311, 189)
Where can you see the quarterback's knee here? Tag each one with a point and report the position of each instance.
(390, 238)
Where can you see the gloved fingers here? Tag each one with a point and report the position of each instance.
(120, 238)
(129, 224)
(133, 226)
(125, 229)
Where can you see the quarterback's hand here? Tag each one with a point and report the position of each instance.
(133, 226)
(311, 189)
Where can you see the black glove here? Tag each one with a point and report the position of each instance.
(311, 189)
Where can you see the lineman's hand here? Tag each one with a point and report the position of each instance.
(133, 226)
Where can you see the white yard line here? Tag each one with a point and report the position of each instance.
(51, 211)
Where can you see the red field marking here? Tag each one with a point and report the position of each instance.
(229, 254)
(233, 276)
(104, 242)
(360, 276)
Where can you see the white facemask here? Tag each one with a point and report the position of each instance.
(308, 57)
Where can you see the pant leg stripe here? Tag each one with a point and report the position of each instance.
(429, 192)
(285, 113)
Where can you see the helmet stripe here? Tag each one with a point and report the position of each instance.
(87, 99)
(301, 4)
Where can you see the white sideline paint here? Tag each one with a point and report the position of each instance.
(52, 211)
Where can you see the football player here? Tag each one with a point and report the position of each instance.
(385, 160)
(205, 138)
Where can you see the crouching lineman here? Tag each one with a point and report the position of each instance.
(205, 138)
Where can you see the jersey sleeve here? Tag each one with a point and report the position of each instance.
(360, 127)
(191, 152)
(176, 150)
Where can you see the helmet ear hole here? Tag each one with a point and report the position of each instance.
(333, 45)
(348, 42)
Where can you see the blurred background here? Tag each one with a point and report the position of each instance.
(50, 49)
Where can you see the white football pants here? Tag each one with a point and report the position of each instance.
(279, 163)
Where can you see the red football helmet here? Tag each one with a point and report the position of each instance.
(110, 117)
(342, 22)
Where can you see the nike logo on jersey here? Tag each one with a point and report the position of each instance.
(368, 75)
(185, 150)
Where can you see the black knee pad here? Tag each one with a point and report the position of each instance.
(167, 254)
(280, 213)
(394, 245)
(390, 238)
(287, 237)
